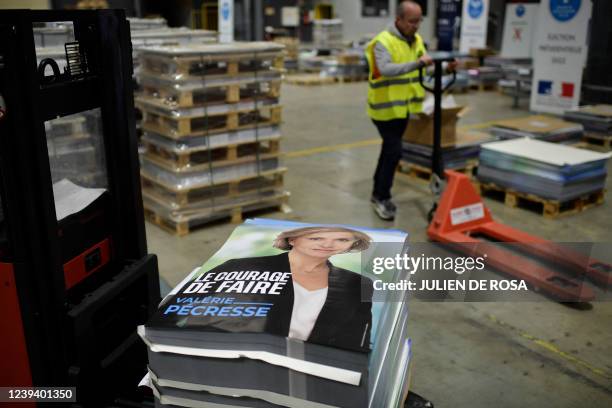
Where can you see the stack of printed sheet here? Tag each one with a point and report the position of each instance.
(539, 127)
(458, 156)
(545, 169)
(247, 329)
(594, 118)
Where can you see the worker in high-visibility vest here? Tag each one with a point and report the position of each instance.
(395, 57)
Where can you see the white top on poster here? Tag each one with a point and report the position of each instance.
(546, 152)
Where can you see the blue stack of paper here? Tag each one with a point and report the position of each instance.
(545, 169)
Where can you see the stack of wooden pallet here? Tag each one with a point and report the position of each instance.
(211, 117)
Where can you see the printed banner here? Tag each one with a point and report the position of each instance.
(474, 24)
(519, 30)
(226, 21)
(449, 13)
(560, 55)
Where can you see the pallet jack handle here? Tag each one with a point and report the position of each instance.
(437, 165)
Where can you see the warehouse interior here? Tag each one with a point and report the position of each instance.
(539, 351)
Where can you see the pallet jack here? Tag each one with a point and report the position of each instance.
(72, 288)
(460, 219)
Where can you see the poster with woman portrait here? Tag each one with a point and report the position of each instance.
(300, 281)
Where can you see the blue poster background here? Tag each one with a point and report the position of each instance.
(449, 11)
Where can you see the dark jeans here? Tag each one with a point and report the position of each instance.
(391, 132)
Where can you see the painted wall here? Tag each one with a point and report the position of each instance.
(355, 26)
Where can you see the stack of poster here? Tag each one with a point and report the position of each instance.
(545, 169)
(538, 127)
(284, 314)
(464, 152)
(596, 119)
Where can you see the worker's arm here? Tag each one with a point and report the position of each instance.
(388, 68)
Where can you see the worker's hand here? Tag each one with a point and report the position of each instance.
(452, 66)
(426, 60)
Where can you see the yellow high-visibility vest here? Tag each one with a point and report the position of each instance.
(394, 97)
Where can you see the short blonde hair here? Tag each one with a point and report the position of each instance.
(362, 241)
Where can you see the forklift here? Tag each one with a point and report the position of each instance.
(75, 275)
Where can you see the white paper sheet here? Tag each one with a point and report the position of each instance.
(71, 198)
(546, 152)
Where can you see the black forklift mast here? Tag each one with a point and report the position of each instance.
(79, 333)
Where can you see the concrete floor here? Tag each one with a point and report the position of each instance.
(542, 354)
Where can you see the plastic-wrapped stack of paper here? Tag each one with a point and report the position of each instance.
(327, 33)
(545, 169)
(211, 116)
(284, 314)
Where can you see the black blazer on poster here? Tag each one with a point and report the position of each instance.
(344, 321)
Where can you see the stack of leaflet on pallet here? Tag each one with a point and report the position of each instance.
(502, 63)
(459, 156)
(484, 76)
(255, 331)
(540, 127)
(327, 33)
(595, 118)
(516, 80)
(545, 169)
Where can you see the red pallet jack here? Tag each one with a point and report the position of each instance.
(459, 218)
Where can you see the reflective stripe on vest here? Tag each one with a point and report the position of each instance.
(394, 97)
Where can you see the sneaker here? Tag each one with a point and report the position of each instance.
(385, 209)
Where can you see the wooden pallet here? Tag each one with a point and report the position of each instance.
(209, 195)
(235, 214)
(226, 93)
(309, 79)
(218, 156)
(547, 207)
(195, 66)
(414, 171)
(176, 127)
(598, 139)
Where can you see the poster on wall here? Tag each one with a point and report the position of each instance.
(226, 21)
(519, 30)
(474, 19)
(560, 55)
(448, 18)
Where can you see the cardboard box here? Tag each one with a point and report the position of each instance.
(420, 127)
